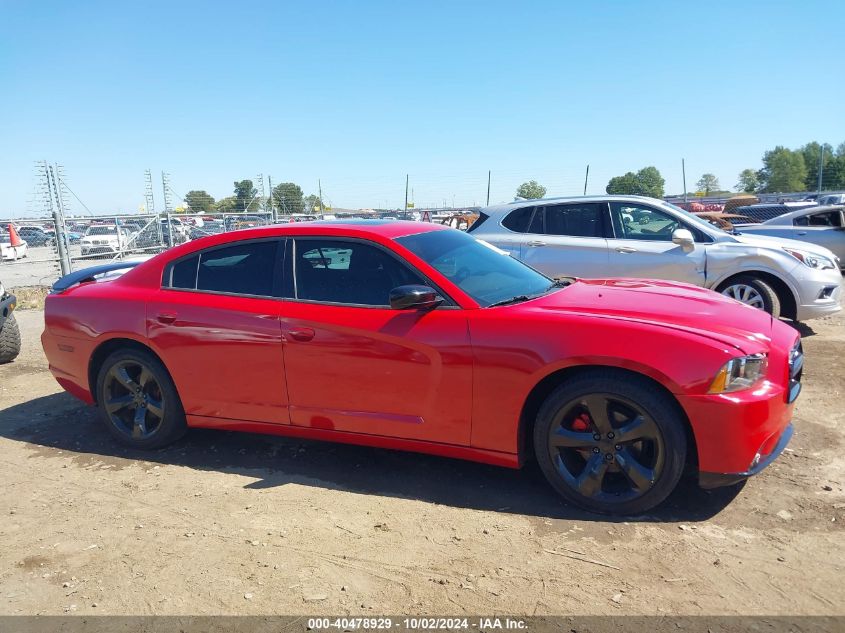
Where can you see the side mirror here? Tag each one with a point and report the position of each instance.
(684, 239)
(414, 297)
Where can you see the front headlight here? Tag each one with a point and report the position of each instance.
(739, 373)
(819, 262)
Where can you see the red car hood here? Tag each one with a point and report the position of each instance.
(668, 304)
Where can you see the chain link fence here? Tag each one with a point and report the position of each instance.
(36, 258)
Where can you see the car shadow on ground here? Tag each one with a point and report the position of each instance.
(802, 328)
(60, 423)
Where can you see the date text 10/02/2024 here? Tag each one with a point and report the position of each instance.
(421, 623)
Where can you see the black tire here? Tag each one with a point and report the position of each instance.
(653, 455)
(131, 380)
(10, 340)
(768, 298)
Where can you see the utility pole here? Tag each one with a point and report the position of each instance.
(272, 202)
(488, 188)
(405, 210)
(149, 201)
(320, 192)
(821, 167)
(586, 178)
(58, 217)
(165, 185)
(684, 174)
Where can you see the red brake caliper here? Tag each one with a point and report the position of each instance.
(582, 423)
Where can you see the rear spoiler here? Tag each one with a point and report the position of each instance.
(90, 274)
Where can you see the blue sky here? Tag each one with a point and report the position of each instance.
(358, 94)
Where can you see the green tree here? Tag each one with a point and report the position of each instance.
(199, 200)
(811, 152)
(287, 197)
(749, 182)
(707, 183)
(646, 182)
(531, 190)
(245, 192)
(783, 171)
(312, 203)
(227, 205)
(627, 185)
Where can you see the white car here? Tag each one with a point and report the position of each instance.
(635, 236)
(9, 252)
(104, 239)
(832, 198)
(823, 226)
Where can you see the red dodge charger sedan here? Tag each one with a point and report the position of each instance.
(419, 337)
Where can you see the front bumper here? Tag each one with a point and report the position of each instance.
(717, 480)
(819, 293)
(7, 305)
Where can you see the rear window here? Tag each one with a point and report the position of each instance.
(482, 218)
(184, 273)
(519, 220)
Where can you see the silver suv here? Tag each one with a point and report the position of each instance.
(635, 236)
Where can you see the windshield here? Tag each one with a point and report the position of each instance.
(485, 273)
(692, 217)
(101, 230)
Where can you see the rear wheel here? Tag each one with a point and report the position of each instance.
(10, 340)
(610, 443)
(138, 401)
(752, 291)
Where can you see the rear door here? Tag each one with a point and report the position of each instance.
(568, 240)
(642, 245)
(825, 229)
(216, 319)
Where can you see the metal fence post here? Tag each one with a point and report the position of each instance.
(170, 231)
(61, 245)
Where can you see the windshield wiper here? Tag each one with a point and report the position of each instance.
(561, 282)
(504, 302)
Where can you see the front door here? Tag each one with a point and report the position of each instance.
(217, 318)
(355, 365)
(642, 246)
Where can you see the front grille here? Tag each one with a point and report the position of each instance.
(796, 367)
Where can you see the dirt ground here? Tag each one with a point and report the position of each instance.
(225, 523)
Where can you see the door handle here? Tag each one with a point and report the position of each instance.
(802, 232)
(166, 317)
(303, 334)
(536, 243)
(625, 249)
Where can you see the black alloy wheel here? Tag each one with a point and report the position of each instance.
(610, 443)
(138, 400)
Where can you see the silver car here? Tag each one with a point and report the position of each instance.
(634, 236)
(824, 226)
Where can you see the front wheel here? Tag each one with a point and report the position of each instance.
(754, 292)
(610, 443)
(138, 401)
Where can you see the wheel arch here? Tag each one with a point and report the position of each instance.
(106, 348)
(542, 389)
(786, 295)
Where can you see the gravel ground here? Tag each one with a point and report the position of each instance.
(225, 523)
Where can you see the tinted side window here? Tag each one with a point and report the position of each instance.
(246, 269)
(803, 220)
(831, 218)
(518, 219)
(337, 271)
(184, 273)
(579, 220)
